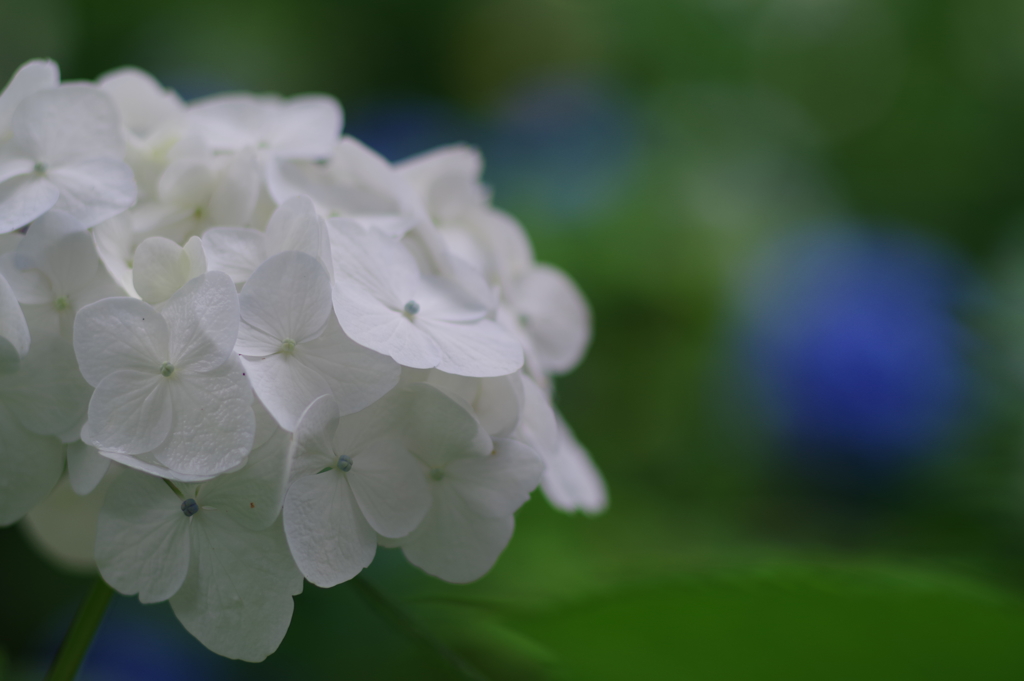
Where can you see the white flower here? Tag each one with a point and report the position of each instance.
(198, 190)
(476, 484)
(65, 152)
(218, 552)
(42, 399)
(421, 321)
(356, 182)
(354, 477)
(294, 226)
(153, 119)
(292, 347)
(55, 271)
(168, 382)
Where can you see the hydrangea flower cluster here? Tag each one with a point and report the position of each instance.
(239, 349)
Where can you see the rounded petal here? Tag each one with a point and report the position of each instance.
(555, 315)
(23, 198)
(94, 189)
(285, 386)
(439, 429)
(390, 484)
(31, 77)
(129, 413)
(47, 393)
(142, 538)
(455, 544)
(86, 467)
(254, 495)
(237, 598)
(236, 251)
(356, 375)
(120, 333)
(307, 127)
(382, 266)
(572, 482)
(13, 327)
(202, 317)
(213, 424)
(160, 268)
(287, 298)
(496, 485)
(234, 198)
(30, 466)
(481, 348)
(374, 325)
(312, 447)
(69, 123)
(329, 537)
(295, 226)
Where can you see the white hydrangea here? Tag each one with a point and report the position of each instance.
(239, 348)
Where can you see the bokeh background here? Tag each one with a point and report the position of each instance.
(800, 224)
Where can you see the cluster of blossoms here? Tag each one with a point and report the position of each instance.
(239, 349)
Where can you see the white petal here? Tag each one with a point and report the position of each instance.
(160, 268)
(312, 447)
(498, 484)
(202, 317)
(253, 496)
(382, 328)
(23, 198)
(454, 543)
(480, 348)
(307, 127)
(86, 467)
(142, 538)
(30, 466)
(439, 430)
(287, 298)
(236, 251)
(12, 320)
(115, 244)
(213, 424)
(143, 103)
(30, 287)
(295, 226)
(285, 385)
(120, 333)
(572, 482)
(63, 526)
(31, 77)
(94, 189)
(329, 537)
(356, 375)
(234, 198)
(237, 598)
(556, 315)
(71, 264)
(145, 463)
(390, 484)
(67, 123)
(44, 233)
(47, 392)
(130, 412)
(538, 427)
(379, 264)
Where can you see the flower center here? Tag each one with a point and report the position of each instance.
(166, 369)
(189, 507)
(344, 464)
(411, 308)
(61, 303)
(436, 474)
(39, 168)
(288, 346)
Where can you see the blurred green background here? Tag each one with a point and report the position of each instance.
(799, 225)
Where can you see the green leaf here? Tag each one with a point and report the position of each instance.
(790, 622)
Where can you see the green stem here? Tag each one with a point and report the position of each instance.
(401, 620)
(83, 629)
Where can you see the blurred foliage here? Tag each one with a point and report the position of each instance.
(731, 124)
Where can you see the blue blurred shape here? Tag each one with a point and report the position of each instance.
(563, 143)
(853, 345)
(146, 643)
(399, 127)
